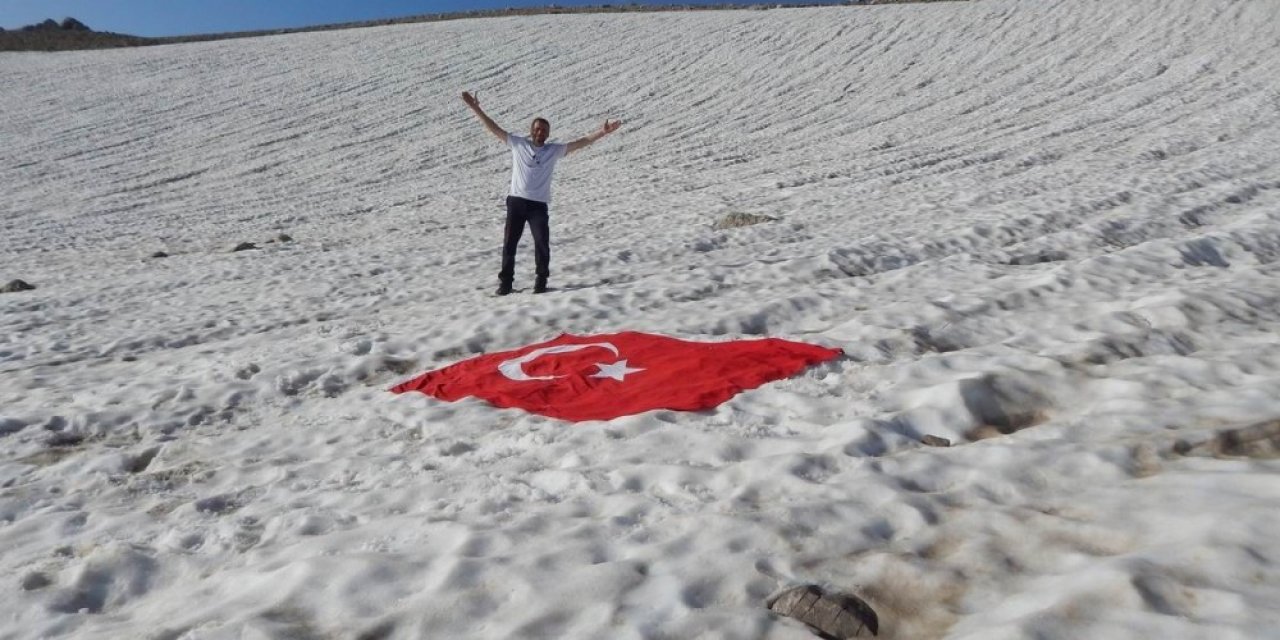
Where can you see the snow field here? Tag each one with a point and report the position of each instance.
(1048, 232)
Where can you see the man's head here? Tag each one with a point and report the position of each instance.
(538, 131)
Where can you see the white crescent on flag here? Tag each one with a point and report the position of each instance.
(513, 369)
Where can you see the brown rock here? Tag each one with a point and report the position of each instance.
(245, 246)
(935, 441)
(1260, 440)
(836, 616)
(739, 219)
(1255, 441)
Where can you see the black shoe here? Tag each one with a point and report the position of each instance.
(503, 289)
(540, 285)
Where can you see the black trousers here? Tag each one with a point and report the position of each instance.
(519, 212)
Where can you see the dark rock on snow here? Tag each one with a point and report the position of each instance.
(35, 580)
(1048, 255)
(16, 285)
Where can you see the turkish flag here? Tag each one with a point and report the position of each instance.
(605, 376)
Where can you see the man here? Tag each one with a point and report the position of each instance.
(532, 161)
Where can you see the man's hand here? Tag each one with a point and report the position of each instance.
(607, 128)
(489, 124)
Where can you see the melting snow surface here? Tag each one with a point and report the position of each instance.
(1046, 231)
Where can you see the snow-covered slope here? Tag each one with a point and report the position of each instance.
(1059, 220)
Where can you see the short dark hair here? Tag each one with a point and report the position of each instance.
(542, 120)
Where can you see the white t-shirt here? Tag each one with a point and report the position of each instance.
(531, 167)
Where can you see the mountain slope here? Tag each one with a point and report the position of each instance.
(1047, 232)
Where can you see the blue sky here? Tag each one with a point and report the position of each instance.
(180, 17)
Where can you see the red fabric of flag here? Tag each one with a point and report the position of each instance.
(604, 376)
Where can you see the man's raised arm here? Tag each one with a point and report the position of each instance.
(585, 141)
(489, 124)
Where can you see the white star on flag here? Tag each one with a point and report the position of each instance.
(617, 370)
